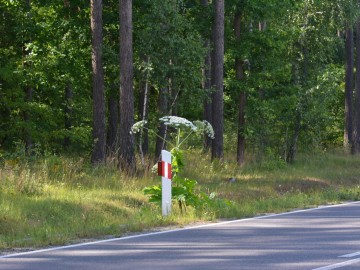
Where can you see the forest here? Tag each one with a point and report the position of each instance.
(272, 77)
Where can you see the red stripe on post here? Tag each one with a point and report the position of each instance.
(169, 171)
(164, 169)
(160, 168)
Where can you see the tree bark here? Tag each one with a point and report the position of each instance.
(349, 81)
(357, 93)
(99, 124)
(218, 81)
(113, 123)
(240, 155)
(127, 141)
(206, 85)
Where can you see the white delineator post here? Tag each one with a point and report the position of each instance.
(164, 170)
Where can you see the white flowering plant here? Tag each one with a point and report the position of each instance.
(138, 126)
(183, 192)
(179, 123)
(205, 127)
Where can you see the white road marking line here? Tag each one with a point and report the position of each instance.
(338, 265)
(176, 230)
(350, 255)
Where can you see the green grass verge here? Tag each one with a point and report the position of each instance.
(57, 200)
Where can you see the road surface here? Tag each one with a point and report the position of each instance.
(323, 238)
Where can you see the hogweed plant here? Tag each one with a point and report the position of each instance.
(184, 189)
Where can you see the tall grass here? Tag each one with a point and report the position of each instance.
(56, 200)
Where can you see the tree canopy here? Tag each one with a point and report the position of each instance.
(290, 55)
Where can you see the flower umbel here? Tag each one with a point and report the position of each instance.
(138, 126)
(205, 127)
(177, 122)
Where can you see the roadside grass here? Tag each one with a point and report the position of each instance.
(57, 200)
(273, 186)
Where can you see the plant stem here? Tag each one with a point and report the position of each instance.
(185, 139)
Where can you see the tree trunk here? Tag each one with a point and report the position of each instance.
(113, 121)
(27, 130)
(68, 93)
(127, 141)
(67, 9)
(143, 111)
(357, 93)
(206, 85)
(68, 113)
(290, 157)
(349, 81)
(99, 124)
(218, 81)
(28, 96)
(163, 105)
(207, 102)
(240, 156)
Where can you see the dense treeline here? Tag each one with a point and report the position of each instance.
(75, 75)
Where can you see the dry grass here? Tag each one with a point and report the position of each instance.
(56, 200)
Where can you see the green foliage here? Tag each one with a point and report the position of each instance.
(184, 190)
(287, 61)
(166, 35)
(154, 193)
(291, 53)
(184, 193)
(177, 161)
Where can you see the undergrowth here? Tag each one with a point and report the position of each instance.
(57, 200)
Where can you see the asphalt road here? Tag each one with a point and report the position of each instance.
(324, 238)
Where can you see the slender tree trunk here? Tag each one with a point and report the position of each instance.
(240, 156)
(301, 71)
(113, 123)
(99, 124)
(143, 111)
(357, 93)
(262, 26)
(293, 143)
(173, 95)
(163, 105)
(349, 82)
(67, 8)
(206, 85)
(207, 101)
(68, 93)
(145, 116)
(28, 95)
(66, 3)
(27, 119)
(127, 141)
(68, 113)
(218, 81)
